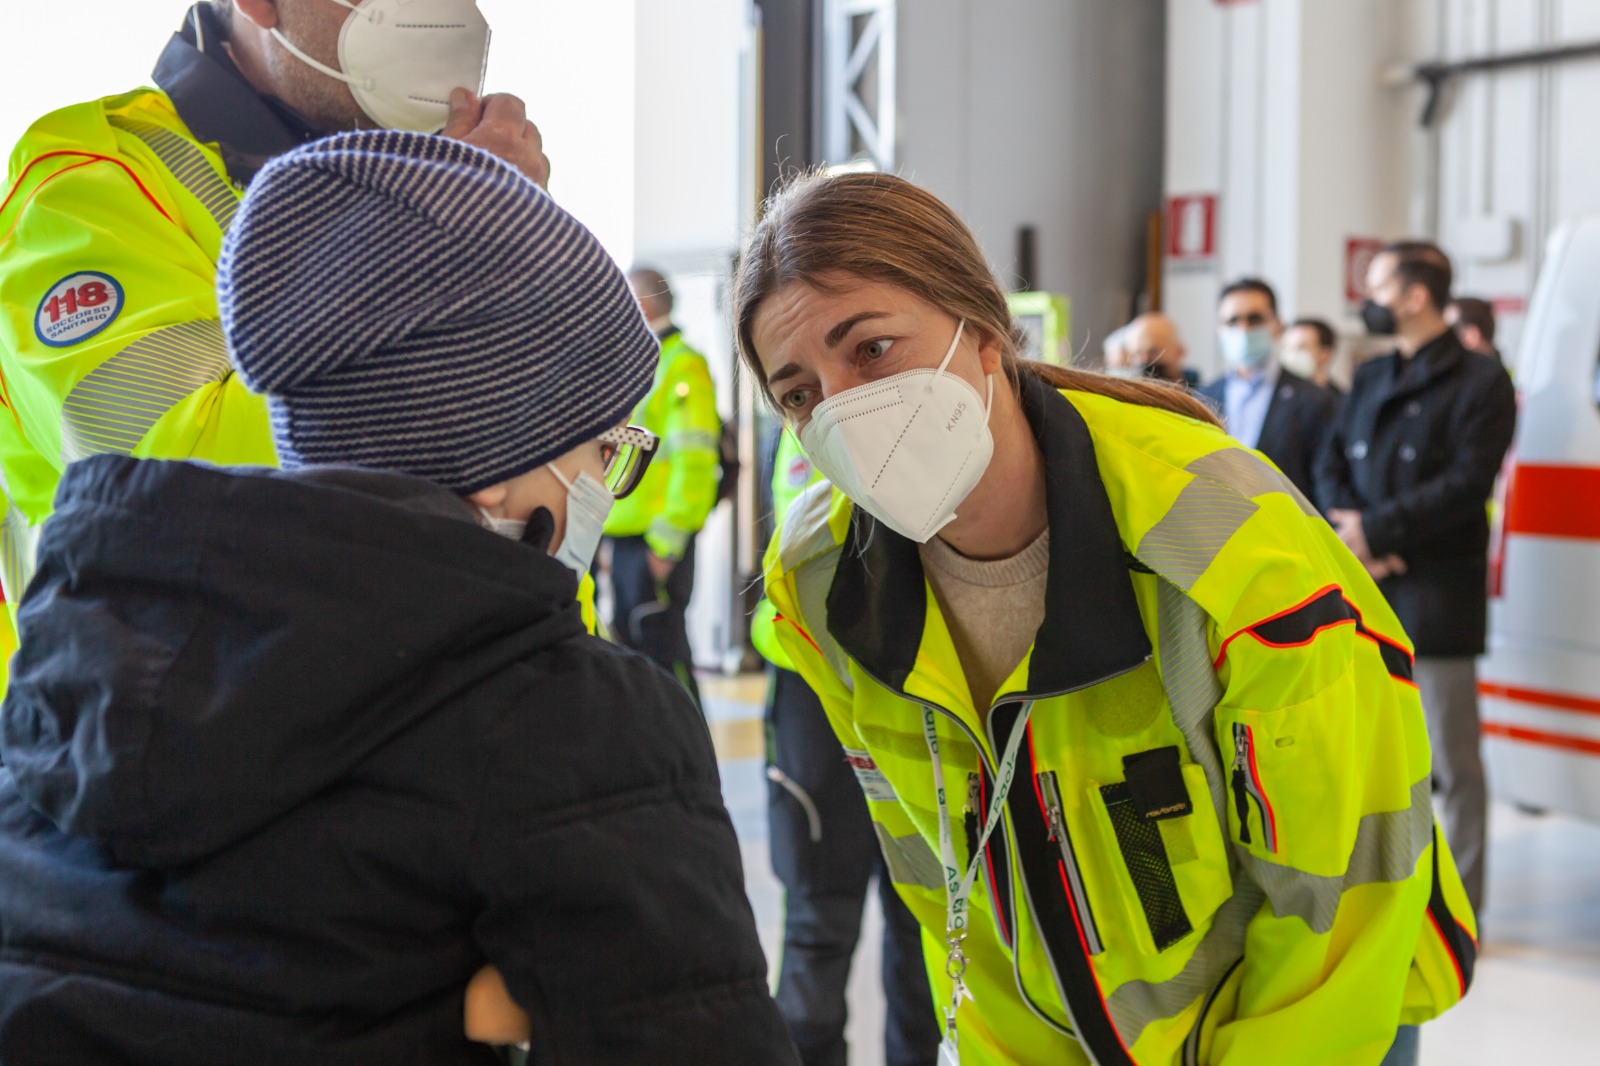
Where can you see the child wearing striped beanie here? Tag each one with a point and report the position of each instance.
(412, 304)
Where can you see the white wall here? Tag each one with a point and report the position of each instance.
(574, 64)
(1043, 113)
(1288, 110)
(1515, 149)
(691, 202)
(1278, 107)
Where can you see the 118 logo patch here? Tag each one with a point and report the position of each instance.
(78, 307)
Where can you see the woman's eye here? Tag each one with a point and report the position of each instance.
(796, 400)
(877, 349)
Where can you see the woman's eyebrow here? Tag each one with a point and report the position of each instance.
(842, 330)
(835, 336)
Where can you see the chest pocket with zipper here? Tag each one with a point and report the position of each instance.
(1285, 806)
(1148, 864)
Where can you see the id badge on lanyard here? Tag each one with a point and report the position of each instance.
(958, 887)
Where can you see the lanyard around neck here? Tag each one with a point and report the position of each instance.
(958, 886)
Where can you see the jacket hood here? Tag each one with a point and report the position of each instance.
(204, 649)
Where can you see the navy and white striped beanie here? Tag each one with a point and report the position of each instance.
(414, 304)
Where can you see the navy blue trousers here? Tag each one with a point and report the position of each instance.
(826, 854)
(651, 618)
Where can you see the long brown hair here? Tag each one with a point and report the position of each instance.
(883, 228)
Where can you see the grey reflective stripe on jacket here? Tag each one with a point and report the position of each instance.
(124, 397)
(190, 166)
(1209, 511)
(806, 550)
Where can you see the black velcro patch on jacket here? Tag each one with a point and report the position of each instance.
(1155, 784)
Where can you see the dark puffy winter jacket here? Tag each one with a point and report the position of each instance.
(288, 758)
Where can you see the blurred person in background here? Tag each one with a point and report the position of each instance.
(289, 756)
(1308, 349)
(1406, 475)
(1114, 354)
(652, 533)
(1150, 793)
(115, 211)
(1474, 323)
(1156, 350)
(826, 853)
(1265, 405)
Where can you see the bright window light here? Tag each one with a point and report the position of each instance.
(59, 54)
(571, 60)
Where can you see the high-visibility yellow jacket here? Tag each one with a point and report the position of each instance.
(792, 474)
(680, 488)
(1219, 847)
(112, 223)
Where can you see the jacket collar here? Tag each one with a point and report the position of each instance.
(1092, 629)
(1433, 360)
(219, 106)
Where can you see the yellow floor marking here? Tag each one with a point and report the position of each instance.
(745, 688)
(739, 738)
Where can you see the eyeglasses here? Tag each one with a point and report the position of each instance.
(627, 452)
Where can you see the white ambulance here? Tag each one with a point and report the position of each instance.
(1541, 680)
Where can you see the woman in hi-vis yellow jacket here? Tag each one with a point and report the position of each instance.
(1138, 734)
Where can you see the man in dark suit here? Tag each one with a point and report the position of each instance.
(1280, 414)
(1405, 476)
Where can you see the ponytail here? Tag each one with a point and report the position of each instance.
(1145, 392)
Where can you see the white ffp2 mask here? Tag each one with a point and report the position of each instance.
(909, 449)
(403, 58)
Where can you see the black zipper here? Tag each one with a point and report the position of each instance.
(1191, 1046)
(1073, 969)
(1241, 784)
(1245, 789)
(1074, 972)
(974, 791)
(977, 810)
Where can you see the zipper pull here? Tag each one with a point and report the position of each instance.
(1241, 789)
(971, 815)
(1054, 813)
(974, 795)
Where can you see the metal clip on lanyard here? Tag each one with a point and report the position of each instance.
(958, 887)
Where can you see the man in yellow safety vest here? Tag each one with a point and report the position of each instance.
(114, 211)
(653, 531)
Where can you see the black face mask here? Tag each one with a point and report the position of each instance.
(1378, 319)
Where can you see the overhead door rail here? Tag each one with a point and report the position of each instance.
(1437, 75)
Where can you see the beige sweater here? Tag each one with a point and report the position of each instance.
(994, 609)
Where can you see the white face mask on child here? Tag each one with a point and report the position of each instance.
(589, 504)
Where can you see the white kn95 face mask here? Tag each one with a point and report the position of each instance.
(403, 58)
(909, 449)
